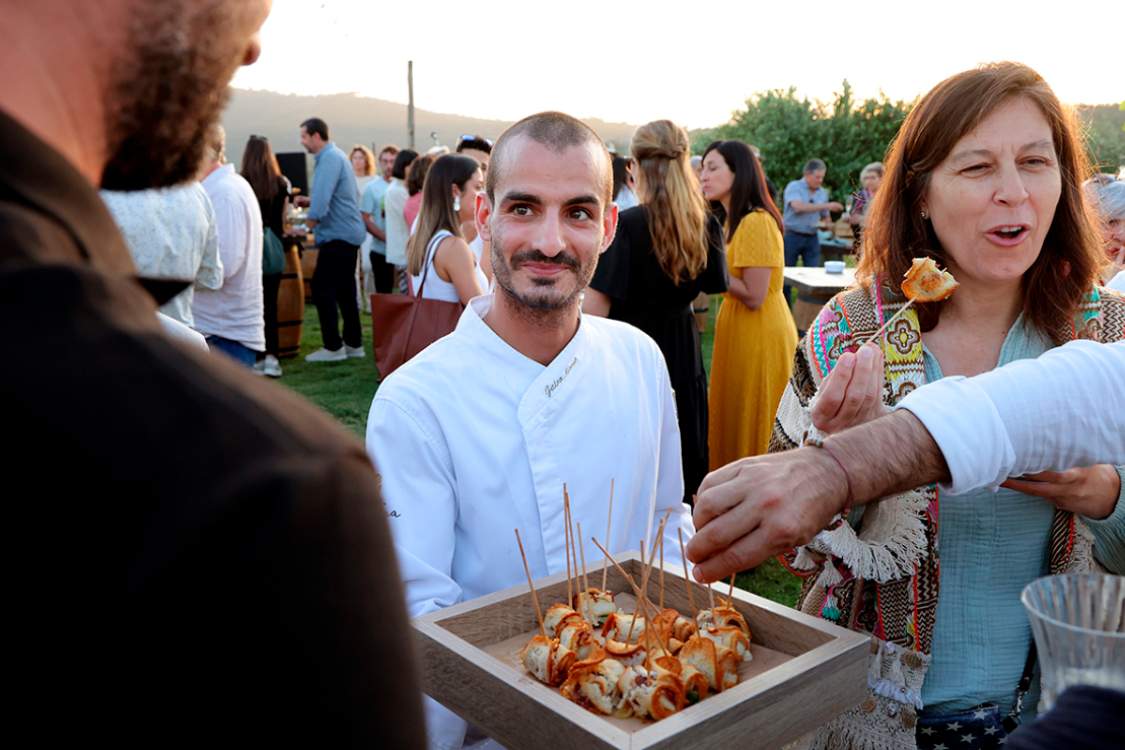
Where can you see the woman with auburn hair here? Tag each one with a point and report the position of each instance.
(415, 181)
(437, 247)
(363, 164)
(667, 250)
(260, 169)
(754, 334)
(984, 178)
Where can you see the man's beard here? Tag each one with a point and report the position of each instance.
(169, 92)
(543, 297)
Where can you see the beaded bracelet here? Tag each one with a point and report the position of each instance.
(818, 443)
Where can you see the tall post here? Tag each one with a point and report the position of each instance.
(410, 105)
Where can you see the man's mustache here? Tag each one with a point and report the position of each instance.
(535, 256)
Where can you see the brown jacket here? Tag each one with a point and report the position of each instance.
(194, 555)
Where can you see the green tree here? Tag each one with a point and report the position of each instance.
(789, 131)
(1104, 130)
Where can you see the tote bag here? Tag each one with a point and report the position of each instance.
(405, 324)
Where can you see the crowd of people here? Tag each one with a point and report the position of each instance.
(247, 570)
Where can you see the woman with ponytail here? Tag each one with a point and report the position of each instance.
(667, 250)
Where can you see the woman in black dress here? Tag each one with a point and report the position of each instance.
(667, 250)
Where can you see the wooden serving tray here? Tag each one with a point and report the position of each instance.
(805, 672)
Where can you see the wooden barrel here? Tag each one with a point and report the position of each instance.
(290, 305)
(308, 267)
(701, 307)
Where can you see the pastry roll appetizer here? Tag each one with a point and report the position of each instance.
(625, 628)
(731, 637)
(629, 654)
(716, 662)
(576, 635)
(672, 627)
(592, 683)
(655, 693)
(595, 605)
(557, 616)
(547, 660)
(925, 282)
(721, 617)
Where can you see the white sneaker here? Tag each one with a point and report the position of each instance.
(259, 367)
(272, 368)
(355, 351)
(327, 355)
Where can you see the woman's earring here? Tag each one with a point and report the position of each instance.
(457, 203)
(923, 214)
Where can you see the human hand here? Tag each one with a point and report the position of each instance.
(835, 206)
(301, 201)
(1091, 491)
(852, 394)
(310, 224)
(295, 232)
(755, 508)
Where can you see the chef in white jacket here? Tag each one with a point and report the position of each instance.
(476, 435)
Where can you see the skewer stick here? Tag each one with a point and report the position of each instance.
(608, 521)
(582, 549)
(574, 552)
(730, 593)
(892, 319)
(691, 599)
(661, 572)
(566, 546)
(640, 596)
(711, 597)
(530, 585)
(621, 570)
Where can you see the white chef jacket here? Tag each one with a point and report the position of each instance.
(1064, 409)
(472, 439)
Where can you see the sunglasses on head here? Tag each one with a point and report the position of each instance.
(260, 137)
(470, 137)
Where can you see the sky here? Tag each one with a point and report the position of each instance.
(694, 63)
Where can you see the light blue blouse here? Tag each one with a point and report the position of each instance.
(991, 545)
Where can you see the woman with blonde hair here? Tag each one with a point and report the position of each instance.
(363, 164)
(438, 259)
(667, 250)
(985, 179)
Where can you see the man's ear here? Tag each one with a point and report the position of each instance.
(482, 215)
(609, 226)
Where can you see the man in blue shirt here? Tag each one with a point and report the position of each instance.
(806, 203)
(334, 215)
(382, 273)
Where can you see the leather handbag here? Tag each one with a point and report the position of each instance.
(405, 324)
(273, 254)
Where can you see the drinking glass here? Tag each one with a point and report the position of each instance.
(1079, 627)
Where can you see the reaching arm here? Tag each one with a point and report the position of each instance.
(373, 228)
(804, 207)
(454, 262)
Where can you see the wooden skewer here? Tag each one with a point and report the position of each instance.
(582, 549)
(566, 546)
(621, 570)
(644, 580)
(892, 319)
(530, 585)
(662, 573)
(711, 597)
(691, 599)
(574, 552)
(608, 521)
(730, 593)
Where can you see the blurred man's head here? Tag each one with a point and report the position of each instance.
(169, 83)
(478, 147)
(814, 173)
(314, 135)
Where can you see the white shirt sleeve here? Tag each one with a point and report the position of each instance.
(230, 219)
(670, 482)
(421, 507)
(1117, 282)
(210, 274)
(1064, 409)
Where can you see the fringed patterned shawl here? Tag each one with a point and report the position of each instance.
(883, 580)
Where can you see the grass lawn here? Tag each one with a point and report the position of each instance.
(345, 389)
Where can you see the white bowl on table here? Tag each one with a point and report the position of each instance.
(834, 266)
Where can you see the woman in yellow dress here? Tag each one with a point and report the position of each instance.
(755, 336)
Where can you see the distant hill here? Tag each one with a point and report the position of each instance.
(356, 119)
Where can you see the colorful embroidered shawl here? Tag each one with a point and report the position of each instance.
(884, 580)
